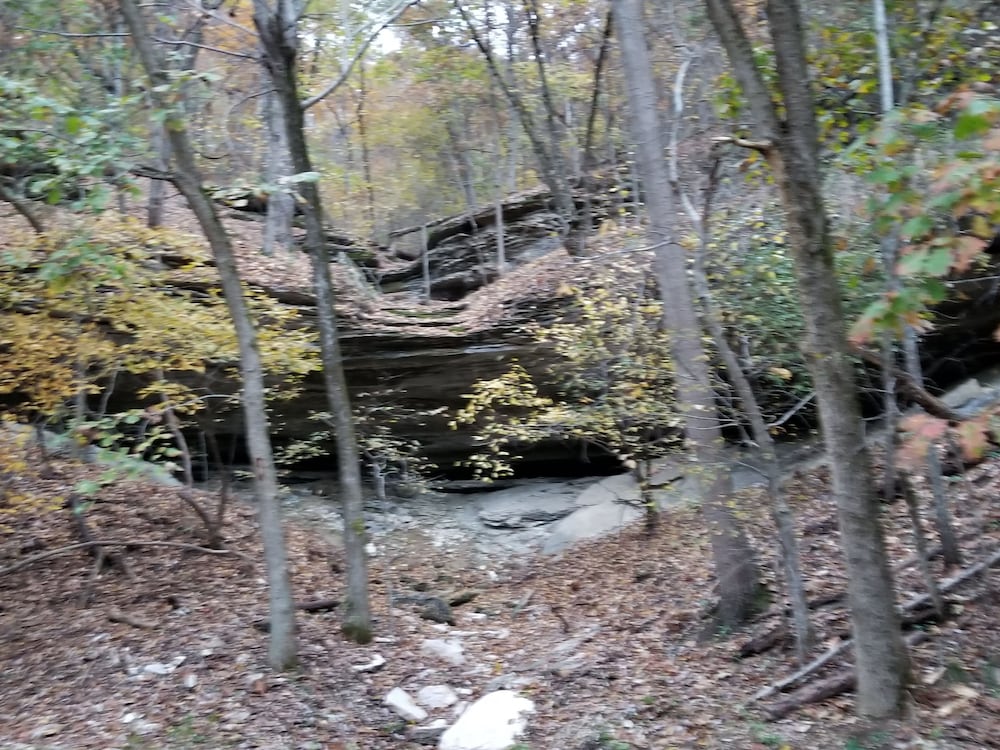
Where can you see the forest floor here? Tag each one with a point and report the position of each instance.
(613, 641)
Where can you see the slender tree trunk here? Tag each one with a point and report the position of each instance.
(950, 551)
(366, 158)
(781, 511)
(792, 152)
(158, 188)
(283, 646)
(734, 561)
(920, 543)
(551, 163)
(280, 202)
(911, 347)
(889, 248)
(501, 237)
(277, 28)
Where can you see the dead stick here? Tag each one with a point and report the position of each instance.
(955, 581)
(115, 543)
(116, 615)
(841, 682)
(909, 606)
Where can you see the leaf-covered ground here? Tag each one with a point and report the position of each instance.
(612, 641)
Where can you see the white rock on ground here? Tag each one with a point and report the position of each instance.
(447, 651)
(494, 722)
(377, 662)
(436, 696)
(401, 702)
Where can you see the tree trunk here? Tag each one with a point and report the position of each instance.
(920, 543)
(792, 152)
(283, 646)
(464, 169)
(158, 188)
(277, 28)
(735, 568)
(551, 163)
(366, 158)
(781, 511)
(280, 202)
(950, 551)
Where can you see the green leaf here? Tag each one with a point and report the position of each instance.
(918, 226)
(74, 123)
(87, 488)
(968, 125)
(938, 262)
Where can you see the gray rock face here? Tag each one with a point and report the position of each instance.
(590, 522)
(528, 505)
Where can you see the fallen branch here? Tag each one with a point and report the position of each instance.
(118, 543)
(930, 403)
(763, 147)
(319, 605)
(834, 685)
(765, 641)
(841, 682)
(263, 624)
(116, 615)
(915, 603)
(955, 581)
(811, 668)
(101, 556)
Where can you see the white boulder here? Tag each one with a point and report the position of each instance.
(436, 696)
(448, 651)
(401, 702)
(494, 722)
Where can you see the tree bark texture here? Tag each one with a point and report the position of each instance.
(880, 654)
(277, 26)
(280, 203)
(283, 643)
(735, 567)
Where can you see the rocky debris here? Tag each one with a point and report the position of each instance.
(403, 704)
(164, 668)
(975, 394)
(614, 502)
(427, 734)
(376, 663)
(436, 696)
(431, 608)
(494, 722)
(449, 651)
(437, 610)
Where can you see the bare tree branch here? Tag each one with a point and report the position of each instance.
(209, 48)
(339, 80)
(74, 35)
(21, 206)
